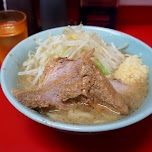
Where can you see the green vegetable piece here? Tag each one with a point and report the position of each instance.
(102, 67)
(61, 52)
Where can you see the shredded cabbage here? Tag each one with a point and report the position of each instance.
(72, 43)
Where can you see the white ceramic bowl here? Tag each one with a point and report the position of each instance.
(19, 53)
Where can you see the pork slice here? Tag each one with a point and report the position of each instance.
(119, 86)
(69, 80)
(60, 82)
(100, 90)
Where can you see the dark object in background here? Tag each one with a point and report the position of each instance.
(98, 12)
(28, 7)
(73, 7)
(1, 5)
(42, 14)
(53, 13)
(46, 14)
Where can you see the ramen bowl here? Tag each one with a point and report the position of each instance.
(18, 55)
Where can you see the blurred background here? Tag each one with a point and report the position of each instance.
(45, 14)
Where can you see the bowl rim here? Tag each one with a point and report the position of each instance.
(65, 126)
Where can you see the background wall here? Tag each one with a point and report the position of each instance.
(135, 2)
